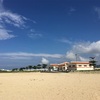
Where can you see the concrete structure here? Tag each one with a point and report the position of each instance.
(77, 65)
(59, 67)
(53, 67)
(74, 65)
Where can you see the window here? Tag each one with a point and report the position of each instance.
(85, 65)
(69, 65)
(73, 66)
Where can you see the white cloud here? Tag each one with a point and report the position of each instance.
(97, 10)
(70, 55)
(12, 18)
(28, 55)
(75, 57)
(83, 58)
(8, 17)
(63, 40)
(44, 61)
(87, 47)
(84, 51)
(4, 35)
(34, 34)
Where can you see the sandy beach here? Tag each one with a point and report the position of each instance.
(49, 86)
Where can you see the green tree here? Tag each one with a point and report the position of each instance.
(92, 61)
(34, 67)
(15, 69)
(39, 66)
(44, 65)
(21, 69)
(27, 68)
(30, 67)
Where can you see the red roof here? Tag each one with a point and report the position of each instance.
(77, 62)
(54, 64)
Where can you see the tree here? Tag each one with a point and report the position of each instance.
(15, 69)
(21, 69)
(44, 65)
(34, 67)
(27, 68)
(30, 67)
(92, 62)
(39, 66)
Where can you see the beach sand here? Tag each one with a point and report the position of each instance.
(49, 86)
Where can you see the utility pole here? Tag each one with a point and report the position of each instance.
(76, 57)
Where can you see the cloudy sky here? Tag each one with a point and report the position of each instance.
(49, 31)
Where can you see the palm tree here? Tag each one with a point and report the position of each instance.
(92, 62)
(44, 66)
(39, 66)
(34, 67)
(21, 69)
(30, 67)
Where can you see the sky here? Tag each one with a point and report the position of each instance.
(48, 31)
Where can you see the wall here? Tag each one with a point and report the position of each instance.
(80, 67)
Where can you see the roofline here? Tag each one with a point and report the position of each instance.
(72, 62)
(78, 62)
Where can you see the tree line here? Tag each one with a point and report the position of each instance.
(39, 66)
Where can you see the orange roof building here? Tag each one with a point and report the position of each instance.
(73, 65)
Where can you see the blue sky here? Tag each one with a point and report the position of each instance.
(48, 31)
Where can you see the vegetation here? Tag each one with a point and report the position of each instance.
(30, 68)
(44, 65)
(92, 62)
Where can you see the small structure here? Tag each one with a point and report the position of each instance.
(60, 67)
(53, 67)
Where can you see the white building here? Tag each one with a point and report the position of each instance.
(73, 65)
(78, 65)
(60, 67)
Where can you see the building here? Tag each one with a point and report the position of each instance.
(73, 65)
(78, 65)
(60, 67)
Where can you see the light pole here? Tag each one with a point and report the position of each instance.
(76, 57)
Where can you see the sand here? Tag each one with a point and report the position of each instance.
(49, 86)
